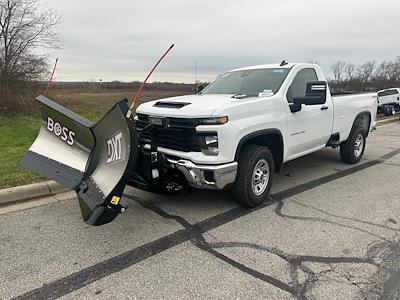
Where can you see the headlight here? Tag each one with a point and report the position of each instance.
(209, 143)
(213, 121)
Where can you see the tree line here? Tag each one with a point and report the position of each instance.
(368, 77)
(121, 85)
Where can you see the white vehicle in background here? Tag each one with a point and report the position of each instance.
(389, 101)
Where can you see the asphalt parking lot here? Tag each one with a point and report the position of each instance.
(329, 231)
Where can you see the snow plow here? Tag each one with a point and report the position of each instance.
(95, 160)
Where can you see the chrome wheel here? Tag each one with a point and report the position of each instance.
(359, 145)
(260, 177)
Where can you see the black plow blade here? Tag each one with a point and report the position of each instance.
(96, 160)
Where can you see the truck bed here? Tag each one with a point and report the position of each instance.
(347, 107)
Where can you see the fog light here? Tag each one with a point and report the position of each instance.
(209, 144)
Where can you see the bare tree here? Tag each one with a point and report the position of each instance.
(393, 70)
(313, 61)
(366, 71)
(349, 71)
(338, 70)
(27, 28)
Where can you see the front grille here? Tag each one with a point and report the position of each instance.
(179, 133)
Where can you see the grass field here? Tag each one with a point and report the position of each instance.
(17, 134)
(93, 104)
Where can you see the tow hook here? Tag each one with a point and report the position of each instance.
(173, 187)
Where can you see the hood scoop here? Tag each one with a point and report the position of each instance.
(171, 104)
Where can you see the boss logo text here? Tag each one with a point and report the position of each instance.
(62, 132)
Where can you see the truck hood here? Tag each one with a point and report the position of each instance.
(187, 106)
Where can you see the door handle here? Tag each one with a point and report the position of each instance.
(324, 107)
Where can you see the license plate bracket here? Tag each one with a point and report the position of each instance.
(157, 121)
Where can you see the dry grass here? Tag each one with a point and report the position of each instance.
(93, 104)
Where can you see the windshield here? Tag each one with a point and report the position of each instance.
(258, 82)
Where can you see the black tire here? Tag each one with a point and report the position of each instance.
(387, 111)
(390, 110)
(242, 190)
(348, 148)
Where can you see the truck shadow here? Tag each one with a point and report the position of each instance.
(208, 202)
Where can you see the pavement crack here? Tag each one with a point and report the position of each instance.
(297, 262)
(48, 187)
(347, 218)
(278, 212)
(200, 242)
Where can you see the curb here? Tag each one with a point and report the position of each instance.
(29, 191)
(387, 121)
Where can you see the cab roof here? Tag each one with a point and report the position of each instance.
(267, 66)
(393, 88)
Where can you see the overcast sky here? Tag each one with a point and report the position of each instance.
(121, 40)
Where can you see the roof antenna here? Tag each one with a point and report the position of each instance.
(283, 63)
(46, 91)
(134, 98)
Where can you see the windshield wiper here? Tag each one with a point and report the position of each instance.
(241, 96)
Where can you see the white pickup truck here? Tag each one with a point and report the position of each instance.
(234, 134)
(241, 128)
(389, 101)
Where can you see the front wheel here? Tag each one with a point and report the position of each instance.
(254, 177)
(353, 148)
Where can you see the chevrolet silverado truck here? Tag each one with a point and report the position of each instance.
(234, 134)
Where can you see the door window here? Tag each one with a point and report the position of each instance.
(388, 93)
(299, 83)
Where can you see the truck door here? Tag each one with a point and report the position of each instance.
(311, 127)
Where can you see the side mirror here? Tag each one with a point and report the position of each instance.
(315, 95)
(199, 88)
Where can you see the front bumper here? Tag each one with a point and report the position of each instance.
(206, 176)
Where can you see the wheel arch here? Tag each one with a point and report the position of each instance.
(272, 138)
(363, 119)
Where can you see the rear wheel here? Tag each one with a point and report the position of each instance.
(352, 150)
(254, 177)
(390, 110)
